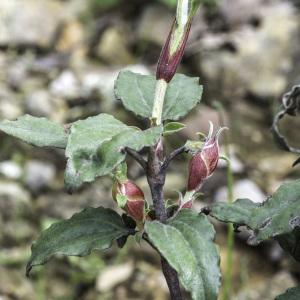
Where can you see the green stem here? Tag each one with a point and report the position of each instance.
(227, 287)
(160, 92)
(230, 239)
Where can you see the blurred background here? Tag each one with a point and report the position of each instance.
(59, 59)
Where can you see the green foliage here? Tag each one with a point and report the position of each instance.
(186, 242)
(290, 294)
(290, 242)
(137, 91)
(92, 228)
(173, 127)
(278, 215)
(95, 147)
(36, 131)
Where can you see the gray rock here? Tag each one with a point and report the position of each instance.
(198, 121)
(113, 276)
(65, 86)
(10, 106)
(29, 22)
(238, 12)
(10, 279)
(14, 200)
(41, 104)
(242, 189)
(63, 206)
(154, 25)
(39, 174)
(102, 82)
(10, 169)
(264, 54)
(113, 47)
(268, 288)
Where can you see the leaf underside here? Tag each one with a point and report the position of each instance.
(137, 91)
(36, 131)
(96, 145)
(186, 242)
(279, 214)
(92, 228)
(290, 294)
(290, 242)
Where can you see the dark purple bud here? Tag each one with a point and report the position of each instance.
(205, 161)
(170, 58)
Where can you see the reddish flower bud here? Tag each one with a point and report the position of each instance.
(132, 196)
(168, 61)
(204, 162)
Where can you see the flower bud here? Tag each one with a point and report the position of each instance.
(168, 61)
(205, 161)
(173, 49)
(130, 197)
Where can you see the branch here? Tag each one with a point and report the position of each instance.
(136, 156)
(169, 273)
(173, 155)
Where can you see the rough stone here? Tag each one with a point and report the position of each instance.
(41, 103)
(10, 169)
(263, 55)
(29, 22)
(113, 276)
(154, 24)
(267, 289)
(39, 174)
(14, 200)
(113, 48)
(66, 85)
(242, 189)
(102, 82)
(10, 106)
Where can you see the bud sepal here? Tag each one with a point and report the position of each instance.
(204, 161)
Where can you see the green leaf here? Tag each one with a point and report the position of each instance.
(279, 214)
(137, 91)
(92, 228)
(36, 131)
(173, 127)
(95, 147)
(290, 294)
(290, 242)
(186, 242)
(122, 200)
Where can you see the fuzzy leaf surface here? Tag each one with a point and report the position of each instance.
(290, 294)
(186, 242)
(173, 127)
(279, 214)
(137, 91)
(36, 131)
(290, 242)
(95, 147)
(92, 228)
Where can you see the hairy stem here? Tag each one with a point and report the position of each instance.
(138, 157)
(156, 178)
(172, 156)
(172, 280)
(160, 92)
